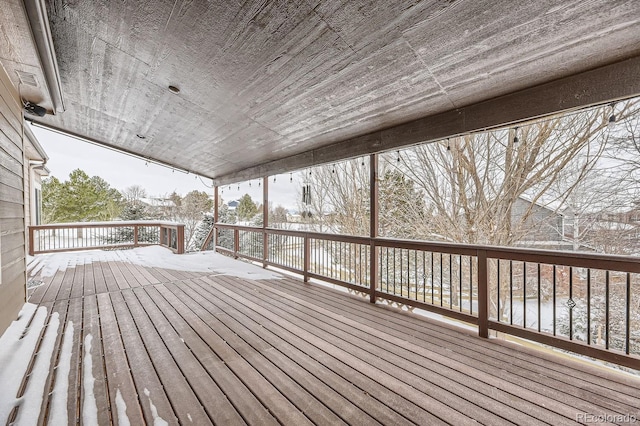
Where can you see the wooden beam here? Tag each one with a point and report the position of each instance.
(611, 82)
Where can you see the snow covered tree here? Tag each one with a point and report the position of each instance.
(246, 209)
(192, 208)
(133, 211)
(201, 232)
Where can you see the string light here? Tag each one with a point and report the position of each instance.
(238, 187)
(515, 135)
(448, 145)
(290, 177)
(249, 184)
(274, 179)
(398, 156)
(259, 183)
(612, 118)
(334, 169)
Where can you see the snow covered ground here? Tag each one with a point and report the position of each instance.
(153, 256)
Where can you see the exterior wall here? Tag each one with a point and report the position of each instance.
(544, 226)
(12, 224)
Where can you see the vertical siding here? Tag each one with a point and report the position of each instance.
(12, 223)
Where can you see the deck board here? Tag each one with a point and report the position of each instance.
(192, 347)
(582, 390)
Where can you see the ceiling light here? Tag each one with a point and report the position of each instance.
(174, 89)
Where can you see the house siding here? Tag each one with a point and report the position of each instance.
(12, 209)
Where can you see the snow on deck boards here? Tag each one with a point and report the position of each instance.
(129, 343)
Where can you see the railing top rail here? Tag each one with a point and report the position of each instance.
(565, 258)
(114, 224)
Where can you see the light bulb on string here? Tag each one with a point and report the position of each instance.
(274, 179)
(398, 156)
(612, 118)
(448, 145)
(290, 177)
(515, 135)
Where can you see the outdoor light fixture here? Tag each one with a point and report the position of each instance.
(612, 118)
(34, 109)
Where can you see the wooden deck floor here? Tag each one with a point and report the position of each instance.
(200, 348)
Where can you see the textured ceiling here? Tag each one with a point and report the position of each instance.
(263, 80)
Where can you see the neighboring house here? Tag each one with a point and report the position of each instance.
(159, 207)
(542, 226)
(233, 204)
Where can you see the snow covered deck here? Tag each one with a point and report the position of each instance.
(145, 336)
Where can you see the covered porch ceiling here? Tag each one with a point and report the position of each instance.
(269, 86)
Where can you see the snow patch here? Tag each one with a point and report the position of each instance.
(123, 419)
(89, 405)
(31, 401)
(155, 257)
(16, 347)
(58, 412)
(157, 420)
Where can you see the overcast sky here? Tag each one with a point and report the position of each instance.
(121, 171)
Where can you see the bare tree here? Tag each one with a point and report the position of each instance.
(338, 198)
(134, 193)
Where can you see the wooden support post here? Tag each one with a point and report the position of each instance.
(307, 258)
(216, 217)
(265, 220)
(483, 294)
(373, 226)
(236, 242)
(31, 241)
(135, 235)
(180, 239)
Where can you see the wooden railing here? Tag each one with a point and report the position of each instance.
(105, 235)
(581, 302)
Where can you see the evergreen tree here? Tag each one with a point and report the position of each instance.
(133, 211)
(201, 232)
(80, 199)
(402, 206)
(246, 209)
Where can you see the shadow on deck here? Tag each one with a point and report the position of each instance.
(155, 344)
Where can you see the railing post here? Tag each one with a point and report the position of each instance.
(307, 258)
(31, 240)
(483, 294)
(180, 239)
(236, 242)
(135, 235)
(373, 271)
